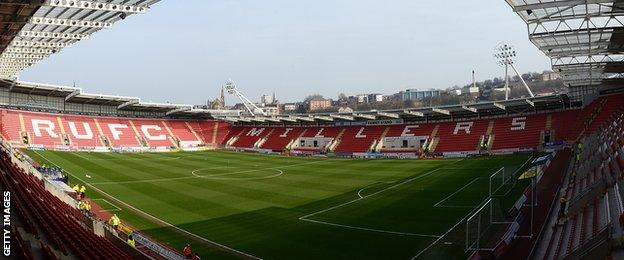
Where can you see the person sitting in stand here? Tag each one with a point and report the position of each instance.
(187, 251)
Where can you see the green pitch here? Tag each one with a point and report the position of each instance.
(276, 207)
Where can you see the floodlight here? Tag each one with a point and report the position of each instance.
(250, 106)
(506, 56)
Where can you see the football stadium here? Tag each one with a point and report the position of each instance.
(98, 176)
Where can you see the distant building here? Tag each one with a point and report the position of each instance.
(372, 98)
(268, 99)
(472, 91)
(290, 106)
(271, 110)
(415, 94)
(319, 104)
(362, 98)
(549, 75)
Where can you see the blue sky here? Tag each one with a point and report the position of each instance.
(183, 51)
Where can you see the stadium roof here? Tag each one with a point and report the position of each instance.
(415, 114)
(32, 30)
(75, 95)
(583, 38)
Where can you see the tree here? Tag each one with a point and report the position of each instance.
(313, 96)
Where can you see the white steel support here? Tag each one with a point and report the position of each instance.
(324, 118)
(365, 116)
(73, 94)
(441, 111)
(97, 6)
(506, 81)
(414, 113)
(250, 106)
(129, 103)
(69, 22)
(521, 79)
(178, 110)
(343, 117)
(389, 115)
(471, 109)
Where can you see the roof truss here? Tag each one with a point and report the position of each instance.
(580, 36)
(56, 24)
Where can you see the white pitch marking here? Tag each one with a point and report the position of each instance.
(216, 177)
(83, 157)
(135, 159)
(442, 236)
(451, 229)
(200, 176)
(224, 247)
(370, 186)
(453, 194)
(371, 229)
(109, 203)
(306, 217)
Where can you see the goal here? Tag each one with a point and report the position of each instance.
(483, 227)
(501, 182)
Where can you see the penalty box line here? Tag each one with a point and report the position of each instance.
(439, 204)
(308, 219)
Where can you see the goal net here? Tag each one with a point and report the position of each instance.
(485, 226)
(501, 182)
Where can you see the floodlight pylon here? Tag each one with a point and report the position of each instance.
(506, 55)
(250, 106)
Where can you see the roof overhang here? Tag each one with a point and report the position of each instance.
(583, 38)
(33, 30)
(445, 112)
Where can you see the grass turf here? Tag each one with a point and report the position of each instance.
(285, 207)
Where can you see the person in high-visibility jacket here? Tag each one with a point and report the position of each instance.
(76, 188)
(81, 205)
(83, 189)
(114, 221)
(87, 206)
(131, 241)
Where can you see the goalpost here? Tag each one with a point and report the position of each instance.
(501, 182)
(484, 224)
(489, 224)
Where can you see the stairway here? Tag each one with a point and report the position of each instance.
(490, 139)
(139, 139)
(263, 140)
(175, 141)
(333, 144)
(190, 128)
(378, 143)
(434, 139)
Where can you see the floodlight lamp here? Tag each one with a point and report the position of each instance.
(505, 54)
